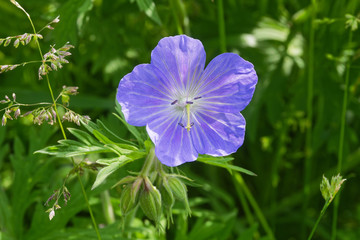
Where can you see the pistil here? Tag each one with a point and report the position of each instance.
(188, 124)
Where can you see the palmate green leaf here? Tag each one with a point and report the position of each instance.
(224, 163)
(106, 171)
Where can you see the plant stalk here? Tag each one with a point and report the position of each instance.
(326, 205)
(341, 140)
(240, 181)
(149, 162)
(61, 126)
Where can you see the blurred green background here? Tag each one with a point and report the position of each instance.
(293, 121)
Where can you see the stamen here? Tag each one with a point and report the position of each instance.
(181, 125)
(192, 124)
(195, 98)
(174, 102)
(189, 102)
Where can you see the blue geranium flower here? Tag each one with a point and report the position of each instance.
(188, 110)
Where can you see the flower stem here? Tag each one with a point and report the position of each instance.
(341, 141)
(222, 32)
(62, 129)
(149, 161)
(318, 220)
(254, 205)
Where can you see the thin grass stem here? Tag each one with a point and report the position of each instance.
(341, 141)
(61, 126)
(245, 206)
(326, 205)
(309, 109)
(254, 205)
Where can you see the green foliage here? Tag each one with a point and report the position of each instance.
(96, 144)
(149, 8)
(110, 39)
(223, 162)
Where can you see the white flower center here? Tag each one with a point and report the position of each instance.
(184, 106)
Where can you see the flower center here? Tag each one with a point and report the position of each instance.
(183, 105)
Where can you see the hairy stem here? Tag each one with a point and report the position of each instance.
(149, 162)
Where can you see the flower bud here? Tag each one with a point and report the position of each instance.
(56, 20)
(135, 189)
(7, 41)
(3, 120)
(150, 201)
(126, 205)
(17, 113)
(7, 114)
(167, 195)
(16, 43)
(168, 200)
(27, 39)
(51, 212)
(70, 90)
(178, 188)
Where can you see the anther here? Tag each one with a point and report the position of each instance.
(181, 125)
(189, 102)
(191, 124)
(174, 102)
(195, 98)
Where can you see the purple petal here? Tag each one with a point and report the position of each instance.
(227, 84)
(181, 59)
(173, 144)
(143, 96)
(218, 134)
